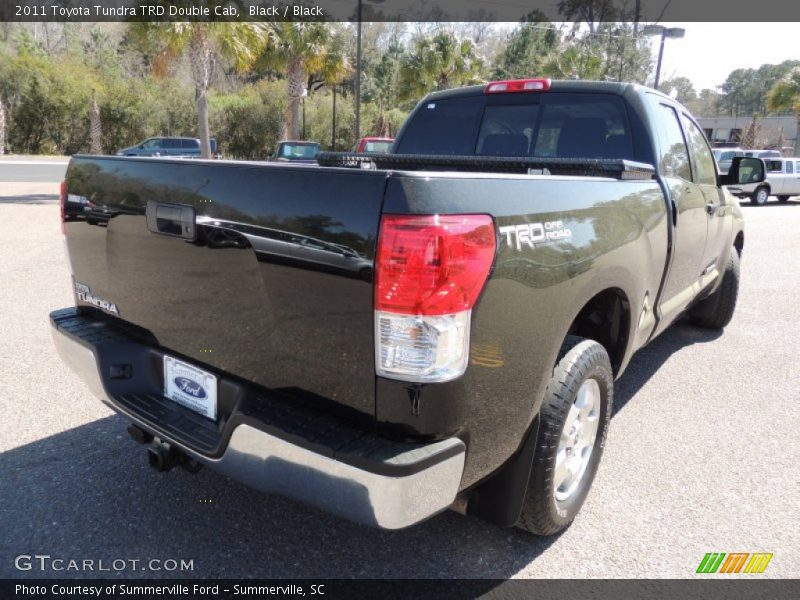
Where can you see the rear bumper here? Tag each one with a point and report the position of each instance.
(293, 452)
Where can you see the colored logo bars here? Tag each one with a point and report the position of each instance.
(736, 562)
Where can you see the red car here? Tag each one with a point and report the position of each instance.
(374, 144)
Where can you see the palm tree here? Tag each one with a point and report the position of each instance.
(438, 63)
(785, 96)
(204, 43)
(299, 50)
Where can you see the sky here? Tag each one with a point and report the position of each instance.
(710, 51)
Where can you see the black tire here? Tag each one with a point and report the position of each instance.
(579, 360)
(760, 196)
(783, 198)
(716, 311)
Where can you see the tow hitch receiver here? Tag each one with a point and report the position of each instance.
(162, 456)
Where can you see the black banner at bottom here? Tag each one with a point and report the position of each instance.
(382, 589)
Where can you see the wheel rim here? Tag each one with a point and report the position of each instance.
(577, 440)
(762, 196)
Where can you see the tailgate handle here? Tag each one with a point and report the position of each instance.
(176, 220)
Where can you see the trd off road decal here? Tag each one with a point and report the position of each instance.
(533, 234)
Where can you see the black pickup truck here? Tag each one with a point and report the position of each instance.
(388, 336)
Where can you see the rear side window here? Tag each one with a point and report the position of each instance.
(169, 144)
(557, 125)
(789, 166)
(774, 166)
(190, 144)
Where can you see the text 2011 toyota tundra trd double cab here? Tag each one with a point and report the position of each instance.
(391, 335)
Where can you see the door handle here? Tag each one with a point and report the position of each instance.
(711, 208)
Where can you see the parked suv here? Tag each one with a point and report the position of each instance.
(168, 146)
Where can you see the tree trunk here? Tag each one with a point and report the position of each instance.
(295, 88)
(2, 128)
(95, 129)
(201, 57)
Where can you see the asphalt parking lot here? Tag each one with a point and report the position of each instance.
(702, 453)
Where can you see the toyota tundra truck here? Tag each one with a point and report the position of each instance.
(387, 336)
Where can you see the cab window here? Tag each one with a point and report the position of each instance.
(704, 169)
(673, 155)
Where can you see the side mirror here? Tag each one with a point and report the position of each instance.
(744, 170)
(270, 154)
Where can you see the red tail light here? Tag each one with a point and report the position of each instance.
(429, 273)
(63, 204)
(517, 85)
(432, 265)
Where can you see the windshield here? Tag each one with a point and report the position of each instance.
(378, 146)
(299, 150)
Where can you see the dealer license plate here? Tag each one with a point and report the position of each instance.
(191, 387)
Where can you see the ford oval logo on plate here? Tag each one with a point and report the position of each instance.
(190, 387)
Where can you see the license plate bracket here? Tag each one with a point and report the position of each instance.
(190, 386)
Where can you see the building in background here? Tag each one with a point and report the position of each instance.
(771, 132)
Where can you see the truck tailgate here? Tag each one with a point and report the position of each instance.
(273, 286)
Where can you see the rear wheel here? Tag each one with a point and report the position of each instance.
(573, 425)
(716, 311)
(783, 198)
(760, 196)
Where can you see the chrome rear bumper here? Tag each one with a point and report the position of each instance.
(399, 490)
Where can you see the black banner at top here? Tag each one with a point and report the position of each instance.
(649, 11)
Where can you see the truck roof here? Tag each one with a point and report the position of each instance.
(607, 87)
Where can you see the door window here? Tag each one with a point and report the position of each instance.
(705, 172)
(789, 167)
(673, 159)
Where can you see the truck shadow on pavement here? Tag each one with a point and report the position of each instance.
(650, 359)
(88, 493)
